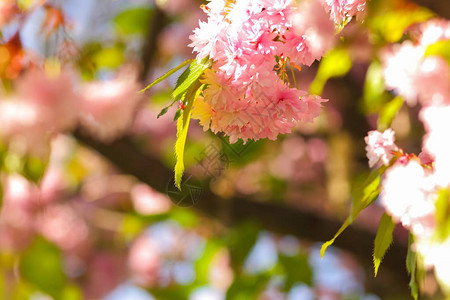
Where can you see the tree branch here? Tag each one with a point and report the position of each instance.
(274, 217)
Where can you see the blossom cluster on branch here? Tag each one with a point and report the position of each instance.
(248, 93)
(414, 187)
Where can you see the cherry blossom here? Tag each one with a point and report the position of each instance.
(380, 146)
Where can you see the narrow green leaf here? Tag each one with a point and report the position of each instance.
(168, 74)
(383, 240)
(388, 113)
(182, 129)
(363, 196)
(190, 76)
(411, 265)
(163, 112)
(177, 115)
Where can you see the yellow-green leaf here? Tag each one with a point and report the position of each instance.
(388, 113)
(182, 129)
(335, 63)
(189, 76)
(168, 74)
(441, 48)
(383, 240)
(363, 196)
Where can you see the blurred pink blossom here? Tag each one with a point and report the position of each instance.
(147, 201)
(62, 225)
(343, 10)
(408, 195)
(436, 120)
(413, 74)
(52, 185)
(54, 97)
(43, 105)
(144, 261)
(108, 107)
(380, 146)
(20, 200)
(401, 65)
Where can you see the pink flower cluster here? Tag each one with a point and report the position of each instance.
(411, 185)
(342, 11)
(44, 104)
(380, 147)
(414, 75)
(408, 194)
(251, 42)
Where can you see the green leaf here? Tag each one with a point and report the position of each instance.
(297, 269)
(441, 48)
(363, 196)
(443, 214)
(190, 76)
(110, 57)
(241, 241)
(388, 113)
(133, 21)
(177, 115)
(34, 168)
(389, 23)
(168, 74)
(245, 287)
(182, 129)
(383, 240)
(374, 94)
(411, 266)
(163, 112)
(335, 63)
(41, 266)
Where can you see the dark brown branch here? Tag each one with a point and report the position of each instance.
(439, 7)
(275, 217)
(150, 47)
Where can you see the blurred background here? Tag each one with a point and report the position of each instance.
(97, 216)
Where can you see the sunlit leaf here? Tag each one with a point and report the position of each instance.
(441, 48)
(374, 94)
(110, 57)
(388, 113)
(203, 265)
(189, 76)
(41, 266)
(383, 240)
(390, 23)
(167, 75)
(182, 129)
(443, 214)
(363, 196)
(335, 63)
(72, 292)
(133, 21)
